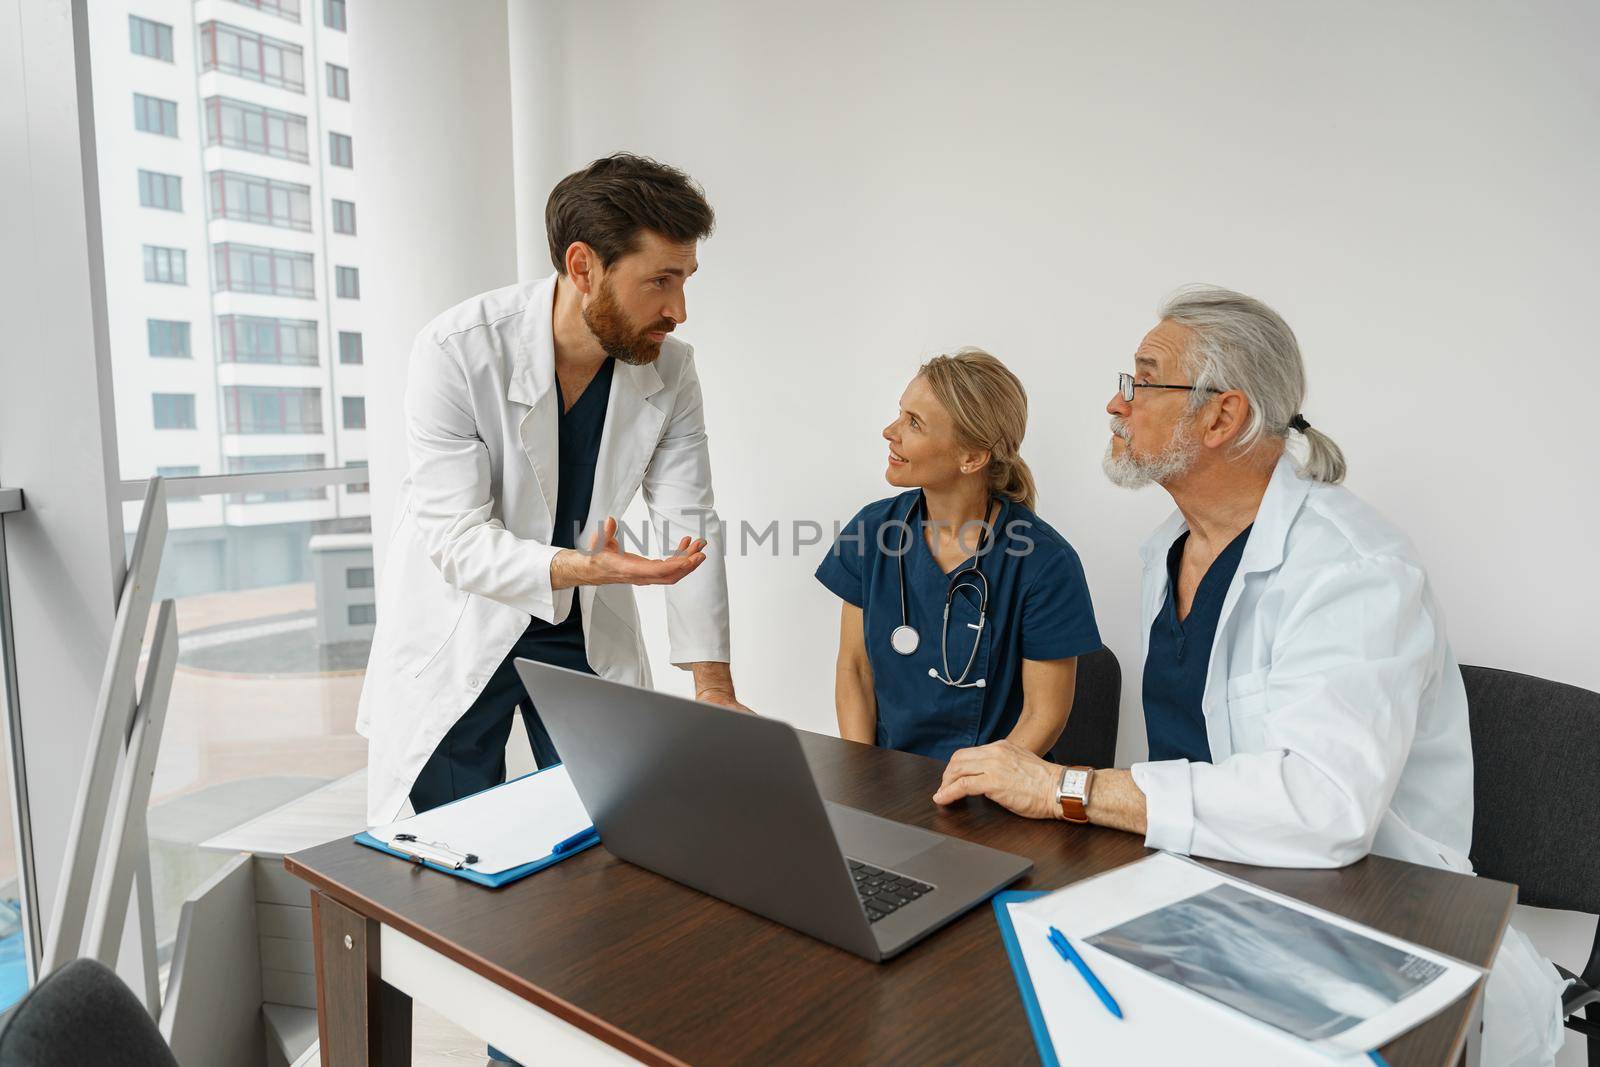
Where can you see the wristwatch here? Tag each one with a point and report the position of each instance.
(1073, 793)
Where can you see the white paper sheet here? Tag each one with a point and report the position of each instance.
(506, 826)
(1167, 1022)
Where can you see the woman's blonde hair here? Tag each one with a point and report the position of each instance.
(990, 410)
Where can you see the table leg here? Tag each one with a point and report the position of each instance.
(362, 1021)
(1472, 1053)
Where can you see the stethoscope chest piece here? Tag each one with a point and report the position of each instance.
(904, 639)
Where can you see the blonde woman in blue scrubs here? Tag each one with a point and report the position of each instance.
(964, 612)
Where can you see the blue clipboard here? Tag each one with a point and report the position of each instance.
(565, 849)
(1019, 967)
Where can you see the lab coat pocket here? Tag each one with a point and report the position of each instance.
(435, 628)
(1247, 711)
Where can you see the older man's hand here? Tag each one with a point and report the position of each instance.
(1007, 774)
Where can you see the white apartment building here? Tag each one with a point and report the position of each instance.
(230, 219)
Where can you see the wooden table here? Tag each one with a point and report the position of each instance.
(594, 955)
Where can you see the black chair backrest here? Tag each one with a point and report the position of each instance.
(1090, 738)
(82, 1014)
(1536, 774)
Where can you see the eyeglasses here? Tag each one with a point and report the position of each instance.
(1126, 385)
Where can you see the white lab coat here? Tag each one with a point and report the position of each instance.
(1337, 720)
(469, 555)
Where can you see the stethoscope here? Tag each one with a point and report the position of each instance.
(904, 639)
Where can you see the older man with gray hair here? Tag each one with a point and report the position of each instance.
(1301, 700)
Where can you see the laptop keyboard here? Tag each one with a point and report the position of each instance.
(884, 891)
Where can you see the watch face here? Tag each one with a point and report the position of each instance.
(1072, 783)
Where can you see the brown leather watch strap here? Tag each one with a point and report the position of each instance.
(1075, 809)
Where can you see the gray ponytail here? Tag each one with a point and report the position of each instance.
(1242, 344)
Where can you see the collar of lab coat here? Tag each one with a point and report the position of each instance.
(531, 382)
(1264, 551)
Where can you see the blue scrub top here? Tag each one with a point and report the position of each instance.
(578, 434)
(1180, 656)
(1039, 609)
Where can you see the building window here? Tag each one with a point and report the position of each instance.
(268, 271)
(362, 614)
(333, 14)
(267, 131)
(349, 282)
(164, 191)
(284, 9)
(338, 81)
(168, 339)
(155, 115)
(271, 409)
(355, 412)
(173, 411)
(344, 216)
(339, 150)
(350, 347)
(358, 578)
(250, 198)
(255, 56)
(271, 464)
(147, 38)
(258, 339)
(358, 487)
(166, 265)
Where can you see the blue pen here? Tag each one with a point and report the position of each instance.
(1070, 954)
(579, 838)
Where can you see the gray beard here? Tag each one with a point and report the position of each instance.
(1134, 472)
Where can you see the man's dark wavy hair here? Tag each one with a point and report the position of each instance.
(606, 205)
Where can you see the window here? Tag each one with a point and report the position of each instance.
(147, 38)
(339, 152)
(270, 409)
(350, 347)
(168, 339)
(164, 191)
(234, 50)
(173, 411)
(267, 464)
(362, 614)
(358, 487)
(284, 9)
(155, 115)
(257, 339)
(333, 14)
(358, 578)
(267, 131)
(344, 216)
(269, 271)
(355, 413)
(338, 81)
(349, 281)
(250, 198)
(166, 265)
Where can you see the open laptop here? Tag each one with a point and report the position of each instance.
(726, 803)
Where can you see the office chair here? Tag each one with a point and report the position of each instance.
(82, 1014)
(1090, 738)
(1542, 740)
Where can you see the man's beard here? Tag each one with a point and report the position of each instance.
(1134, 472)
(610, 326)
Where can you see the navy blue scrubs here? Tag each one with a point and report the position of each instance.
(1039, 609)
(1180, 657)
(472, 755)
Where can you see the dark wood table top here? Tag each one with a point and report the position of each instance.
(673, 976)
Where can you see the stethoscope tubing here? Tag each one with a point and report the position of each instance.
(905, 639)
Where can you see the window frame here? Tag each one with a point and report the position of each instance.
(139, 32)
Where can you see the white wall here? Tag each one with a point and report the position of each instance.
(431, 123)
(1410, 185)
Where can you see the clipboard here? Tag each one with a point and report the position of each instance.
(527, 812)
(1019, 969)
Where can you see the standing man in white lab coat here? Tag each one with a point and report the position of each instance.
(1302, 702)
(534, 414)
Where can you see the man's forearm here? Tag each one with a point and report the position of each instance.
(711, 676)
(1117, 802)
(569, 569)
